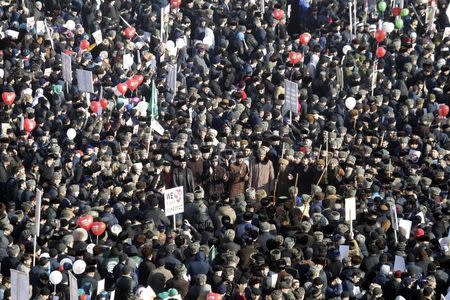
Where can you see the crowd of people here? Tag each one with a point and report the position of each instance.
(191, 93)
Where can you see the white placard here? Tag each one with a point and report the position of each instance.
(100, 286)
(73, 287)
(47, 72)
(13, 34)
(291, 96)
(98, 37)
(20, 285)
(350, 209)
(85, 82)
(157, 127)
(399, 263)
(40, 27)
(37, 218)
(343, 251)
(128, 60)
(30, 22)
(405, 224)
(66, 67)
(174, 201)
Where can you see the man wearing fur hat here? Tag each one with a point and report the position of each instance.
(262, 172)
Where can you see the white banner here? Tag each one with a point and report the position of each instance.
(98, 37)
(20, 285)
(73, 287)
(85, 83)
(291, 96)
(350, 209)
(40, 28)
(128, 60)
(157, 127)
(174, 201)
(405, 224)
(37, 218)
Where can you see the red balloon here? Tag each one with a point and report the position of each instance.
(29, 125)
(139, 78)
(85, 222)
(443, 110)
(304, 38)
(295, 57)
(129, 32)
(95, 106)
(175, 3)
(98, 228)
(132, 84)
(84, 44)
(122, 88)
(103, 103)
(8, 97)
(381, 52)
(380, 35)
(278, 14)
(396, 11)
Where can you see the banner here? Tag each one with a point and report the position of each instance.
(73, 287)
(394, 219)
(171, 82)
(98, 37)
(399, 263)
(66, 67)
(350, 209)
(37, 218)
(174, 201)
(157, 127)
(84, 79)
(291, 96)
(20, 285)
(343, 251)
(405, 224)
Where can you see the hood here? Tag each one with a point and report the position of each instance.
(200, 256)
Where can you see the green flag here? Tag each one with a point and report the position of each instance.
(153, 105)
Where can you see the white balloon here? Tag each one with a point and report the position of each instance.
(90, 248)
(70, 25)
(388, 27)
(350, 103)
(71, 133)
(55, 277)
(79, 267)
(346, 48)
(116, 229)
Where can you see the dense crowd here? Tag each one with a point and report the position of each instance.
(191, 93)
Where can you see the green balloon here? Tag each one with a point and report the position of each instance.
(382, 6)
(57, 88)
(404, 12)
(399, 23)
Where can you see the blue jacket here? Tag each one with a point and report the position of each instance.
(199, 265)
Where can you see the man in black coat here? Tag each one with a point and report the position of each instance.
(125, 285)
(182, 176)
(155, 213)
